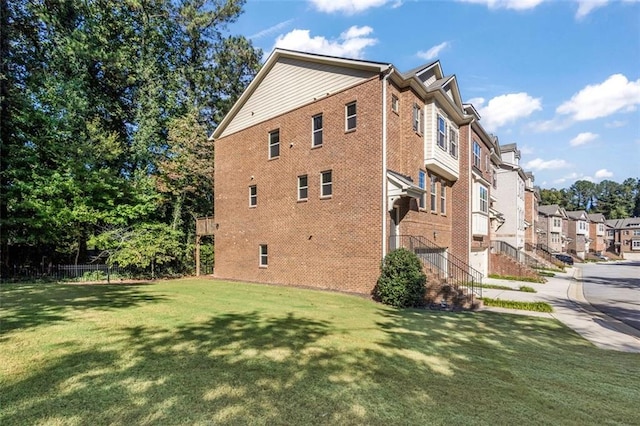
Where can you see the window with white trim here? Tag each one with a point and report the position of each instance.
(350, 116)
(316, 130)
(416, 118)
(395, 104)
(443, 198)
(274, 144)
(433, 193)
(303, 187)
(477, 151)
(253, 195)
(636, 232)
(635, 245)
(422, 183)
(442, 133)
(453, 143)
(484, 199)
(326, 184)
(264, 256)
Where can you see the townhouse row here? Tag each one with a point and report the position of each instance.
(326, 164)
(579, 233)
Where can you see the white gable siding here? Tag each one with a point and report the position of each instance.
(290, 84)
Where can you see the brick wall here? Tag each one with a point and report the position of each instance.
(327, 243)
(504, 265)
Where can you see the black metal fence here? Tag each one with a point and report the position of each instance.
(446, 266)
(93, 272)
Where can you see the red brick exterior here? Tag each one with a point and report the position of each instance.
(328, 243)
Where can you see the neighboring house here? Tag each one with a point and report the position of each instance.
(472, 193)
(553, 225)
(510, 197)
(597, 233)
(626, 237)
(531, 202)
(579, 241)
(326, 164)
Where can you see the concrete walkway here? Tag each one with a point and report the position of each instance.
(564, 293)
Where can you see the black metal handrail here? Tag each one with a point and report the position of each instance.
(540, 250)
(446, 266)
(519, 256)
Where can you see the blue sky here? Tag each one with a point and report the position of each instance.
(559, 78)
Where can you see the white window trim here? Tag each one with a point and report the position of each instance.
(323, 184)
(263, 255)
(300, 187)
(347, 116)
(441, 134)
(273, 144)
(253, 195)
(315, 131)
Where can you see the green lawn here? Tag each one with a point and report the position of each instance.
(211, 352)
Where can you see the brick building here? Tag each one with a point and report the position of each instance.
(625, 237)
(597, 228)
(579, 241)
(553, 225)
(325, 164)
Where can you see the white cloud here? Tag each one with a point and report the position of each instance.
(540, 164)
(613, 95)
(506, 109)
(583, 138)
(603, 173)
(271, 30)
(507, 4)
(615, 124)
(433, 52)
(586, 6)
(526, 150)
(351, 43)
(347, 6)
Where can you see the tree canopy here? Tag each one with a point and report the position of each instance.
(106, 106)
(614, 200)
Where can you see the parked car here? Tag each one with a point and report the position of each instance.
(565, 258)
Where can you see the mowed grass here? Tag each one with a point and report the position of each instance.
(199, 351)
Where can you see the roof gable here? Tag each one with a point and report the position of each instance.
(289, 80)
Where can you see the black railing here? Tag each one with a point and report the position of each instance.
(519, 256)
(540, 250)
(444, 265)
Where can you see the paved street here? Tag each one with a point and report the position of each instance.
(614, 289)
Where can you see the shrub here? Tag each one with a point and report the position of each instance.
(402, 282)
(512, 304)
(527, 289)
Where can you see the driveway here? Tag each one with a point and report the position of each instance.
(614, 289)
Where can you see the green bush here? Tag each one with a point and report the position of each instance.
(402, 282)
(512, 304)
(527, 289)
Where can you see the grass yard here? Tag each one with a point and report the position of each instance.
(199, 351)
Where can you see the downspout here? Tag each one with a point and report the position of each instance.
(471, 194)
(385, 79)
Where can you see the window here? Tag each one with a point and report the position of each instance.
(442, 133)
(351, 116)
(253, 196)
(484, 200)
(557, 222)
(395, 104)
(443, 198)
(303, 187)
(264, 256)
(476, 154)
(416, 118)
(453, 143)
(433, 193)
(422, 177)
(636, 232)
(635, 245)
(274, 144)
(316, 125)
(326, 184)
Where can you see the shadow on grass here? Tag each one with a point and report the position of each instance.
(31, 305)
(255, 368)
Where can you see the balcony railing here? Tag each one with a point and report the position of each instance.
(446, 266)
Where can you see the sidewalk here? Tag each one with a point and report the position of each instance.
(564, 293)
